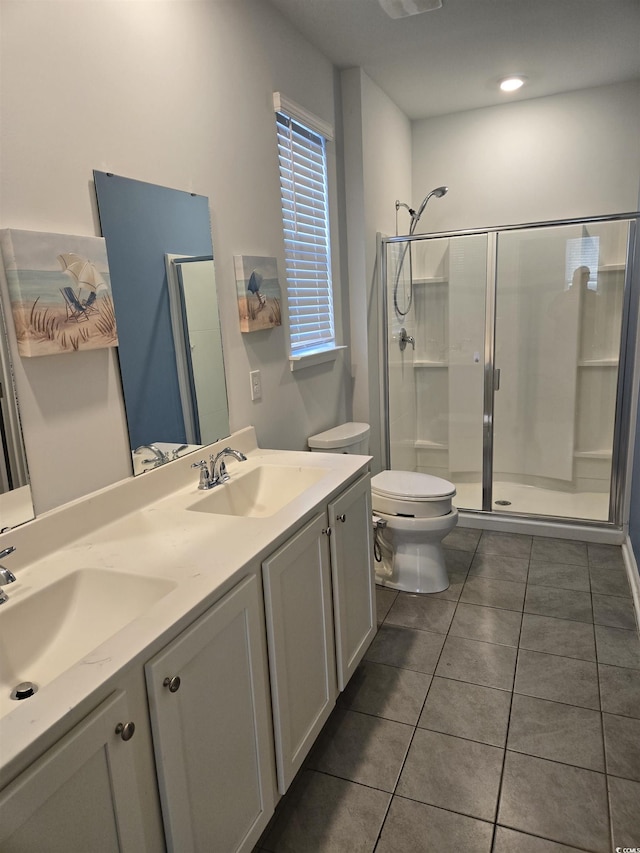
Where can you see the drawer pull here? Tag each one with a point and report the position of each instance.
(342, 517)
(126, 730)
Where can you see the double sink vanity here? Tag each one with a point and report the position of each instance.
(186, 647)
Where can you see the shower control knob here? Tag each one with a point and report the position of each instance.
(342, 517)
(172, 683)
(126, 730)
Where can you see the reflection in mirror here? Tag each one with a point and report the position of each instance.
(197, 338)
(16, 505)
(170, 346)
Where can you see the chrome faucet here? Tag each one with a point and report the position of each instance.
(159, 458)
(6, 575)
(219, 469)
(217, 474)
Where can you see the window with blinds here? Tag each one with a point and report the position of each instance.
(305, 216)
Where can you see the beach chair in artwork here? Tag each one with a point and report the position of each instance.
(75, 309)
(89, 304)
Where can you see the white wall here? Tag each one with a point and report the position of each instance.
(569, 155)
(178, 94)
(377, 172)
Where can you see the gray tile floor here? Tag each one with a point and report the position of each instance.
(500, 715)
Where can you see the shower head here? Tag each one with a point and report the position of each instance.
(415, 216)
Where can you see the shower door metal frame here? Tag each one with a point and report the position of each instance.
(489, 370)
(626, 375)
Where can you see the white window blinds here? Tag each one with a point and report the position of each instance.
(305, 216)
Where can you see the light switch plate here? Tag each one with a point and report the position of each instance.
(256, 385)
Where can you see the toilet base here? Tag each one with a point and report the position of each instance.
(422, 573)
(409, 563)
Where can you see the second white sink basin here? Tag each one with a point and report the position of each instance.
(260, 492)
(46, 632)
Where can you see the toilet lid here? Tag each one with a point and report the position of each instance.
(411, 485)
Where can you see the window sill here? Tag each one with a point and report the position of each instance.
(299, 362)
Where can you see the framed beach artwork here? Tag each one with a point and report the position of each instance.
(258, 292)
(60, 292)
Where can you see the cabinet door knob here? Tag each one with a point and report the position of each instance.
(172, 683)
(342, 517)
(326, 531)
(125, 730)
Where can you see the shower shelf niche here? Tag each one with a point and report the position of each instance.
(430, 445)
(420, 362)
(593, 454)
(431, 280)
(600, 313)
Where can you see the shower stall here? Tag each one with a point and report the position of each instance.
(508, 362)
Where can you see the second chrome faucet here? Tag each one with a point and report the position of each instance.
(217, 473)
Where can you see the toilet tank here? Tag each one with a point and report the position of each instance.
(345, 438)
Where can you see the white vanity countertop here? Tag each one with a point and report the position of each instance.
(141, 526)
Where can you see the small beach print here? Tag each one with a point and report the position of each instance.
(60, 292)
(258, 293)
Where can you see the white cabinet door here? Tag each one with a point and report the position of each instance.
(297, 588)
(208, 700)
(353, 577)
(81, 795)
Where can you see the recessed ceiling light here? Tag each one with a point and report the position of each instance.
(512, 84)
(404, 8)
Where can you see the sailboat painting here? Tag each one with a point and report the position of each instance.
(258, 292)
(60, 292)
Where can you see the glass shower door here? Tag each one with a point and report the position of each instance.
(559, 307)
(436, 291)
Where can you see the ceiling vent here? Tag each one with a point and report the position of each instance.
(404, 8)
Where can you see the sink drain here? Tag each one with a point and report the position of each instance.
(24, 690)
(503, 503)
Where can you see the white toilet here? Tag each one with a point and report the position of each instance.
(418, 513)
(416, 510)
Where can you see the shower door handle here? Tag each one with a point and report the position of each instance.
(496, 378)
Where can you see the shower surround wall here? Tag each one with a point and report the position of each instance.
(554, 423)
(444, 374)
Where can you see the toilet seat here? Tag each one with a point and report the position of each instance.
(411, 494)
(411, 485)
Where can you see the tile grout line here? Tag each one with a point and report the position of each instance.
(604, 742)
(415, 728)
(506, 738)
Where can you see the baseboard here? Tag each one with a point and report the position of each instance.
(633, 575)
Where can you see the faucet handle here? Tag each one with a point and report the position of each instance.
(205, 476)
(6, 575)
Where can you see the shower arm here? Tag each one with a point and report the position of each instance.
(411, 211)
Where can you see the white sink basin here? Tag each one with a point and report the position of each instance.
(260, 492)
(46, 632)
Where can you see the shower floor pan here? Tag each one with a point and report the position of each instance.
(593, 506)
